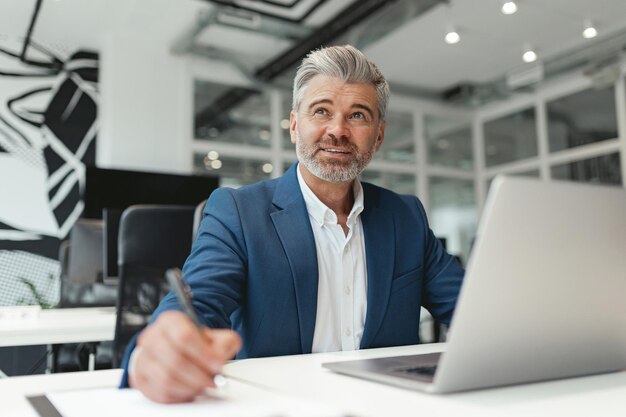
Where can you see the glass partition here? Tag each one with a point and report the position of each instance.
(452, 213)
(579, 119)
(605, 169)
(233, 172)
(400, 183)
(449, 142)
(231, 114)
(398, 145)
(511, 138)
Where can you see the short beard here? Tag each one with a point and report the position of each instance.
(332, 171)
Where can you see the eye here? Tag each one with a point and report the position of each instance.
(321, 111)
(358, 115)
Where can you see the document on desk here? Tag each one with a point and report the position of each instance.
(237, 399)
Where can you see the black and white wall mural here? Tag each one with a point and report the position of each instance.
(48, 126)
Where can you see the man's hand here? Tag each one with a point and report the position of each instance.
(177, 362)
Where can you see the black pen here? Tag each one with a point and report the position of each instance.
(183, 295)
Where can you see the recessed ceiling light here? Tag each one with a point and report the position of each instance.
(452, 37)
(590, 31)
(267, 168)
(265, 134)
(509, 7)
(529, 56)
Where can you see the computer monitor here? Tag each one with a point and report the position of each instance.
(119, 189)
(85, 252)
(108, 192)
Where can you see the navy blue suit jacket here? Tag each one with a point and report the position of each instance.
(253, 268)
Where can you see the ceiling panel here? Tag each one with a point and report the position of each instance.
(491, 43)
(413, 54)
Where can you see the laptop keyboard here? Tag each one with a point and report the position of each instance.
(419, 370)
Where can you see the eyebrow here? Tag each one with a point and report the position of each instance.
(321, 101)
(354, 106)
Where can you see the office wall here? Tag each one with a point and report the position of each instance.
(146, 108)
(144, 112)
(48, 128)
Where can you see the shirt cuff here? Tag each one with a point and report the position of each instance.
(133, 360)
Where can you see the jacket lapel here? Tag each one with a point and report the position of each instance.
(379, 233)
(293, 226)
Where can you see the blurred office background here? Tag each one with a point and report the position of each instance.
(479, 88)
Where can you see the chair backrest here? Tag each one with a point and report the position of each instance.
(197, 218)
(152, 239)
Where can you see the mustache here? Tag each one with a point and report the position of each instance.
(336, 142)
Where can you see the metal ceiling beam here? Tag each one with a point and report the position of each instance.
(260, 10)
(354, 14)
(349, 17)
(346, 19)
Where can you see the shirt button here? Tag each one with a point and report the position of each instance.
(347, 290)
(348, 332)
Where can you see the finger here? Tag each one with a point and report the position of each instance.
(224, 342)
(178, 366)
(183, 334)
(156, 383)
(165, 352)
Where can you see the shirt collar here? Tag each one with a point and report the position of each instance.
(320, 211)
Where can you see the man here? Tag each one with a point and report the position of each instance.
(312, 261)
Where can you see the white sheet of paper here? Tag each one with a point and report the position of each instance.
(235, 400)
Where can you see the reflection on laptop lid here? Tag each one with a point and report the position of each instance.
(543, 296)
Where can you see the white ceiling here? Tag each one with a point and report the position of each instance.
(491, 42)
(412, 55)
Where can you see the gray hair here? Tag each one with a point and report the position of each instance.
(345, 63)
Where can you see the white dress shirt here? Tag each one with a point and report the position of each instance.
(342, 285)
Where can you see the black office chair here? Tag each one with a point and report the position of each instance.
(197, 218)
(152, 239)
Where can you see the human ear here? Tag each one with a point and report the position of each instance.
(381, 136)
(292, 127)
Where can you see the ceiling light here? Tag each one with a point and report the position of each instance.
(452, 37)
(213, 155)
(267, 168)
(509, 7)
(264, 134)
(217, 164)
(590, 31)
(284, 124)
(529, 56)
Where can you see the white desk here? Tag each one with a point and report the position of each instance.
(302, 376)
(65, 325)
(13, 391)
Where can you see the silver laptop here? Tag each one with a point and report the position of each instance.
(544, 295)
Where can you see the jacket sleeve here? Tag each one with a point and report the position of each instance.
(215, 270)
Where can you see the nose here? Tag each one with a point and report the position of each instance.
(338, 128)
